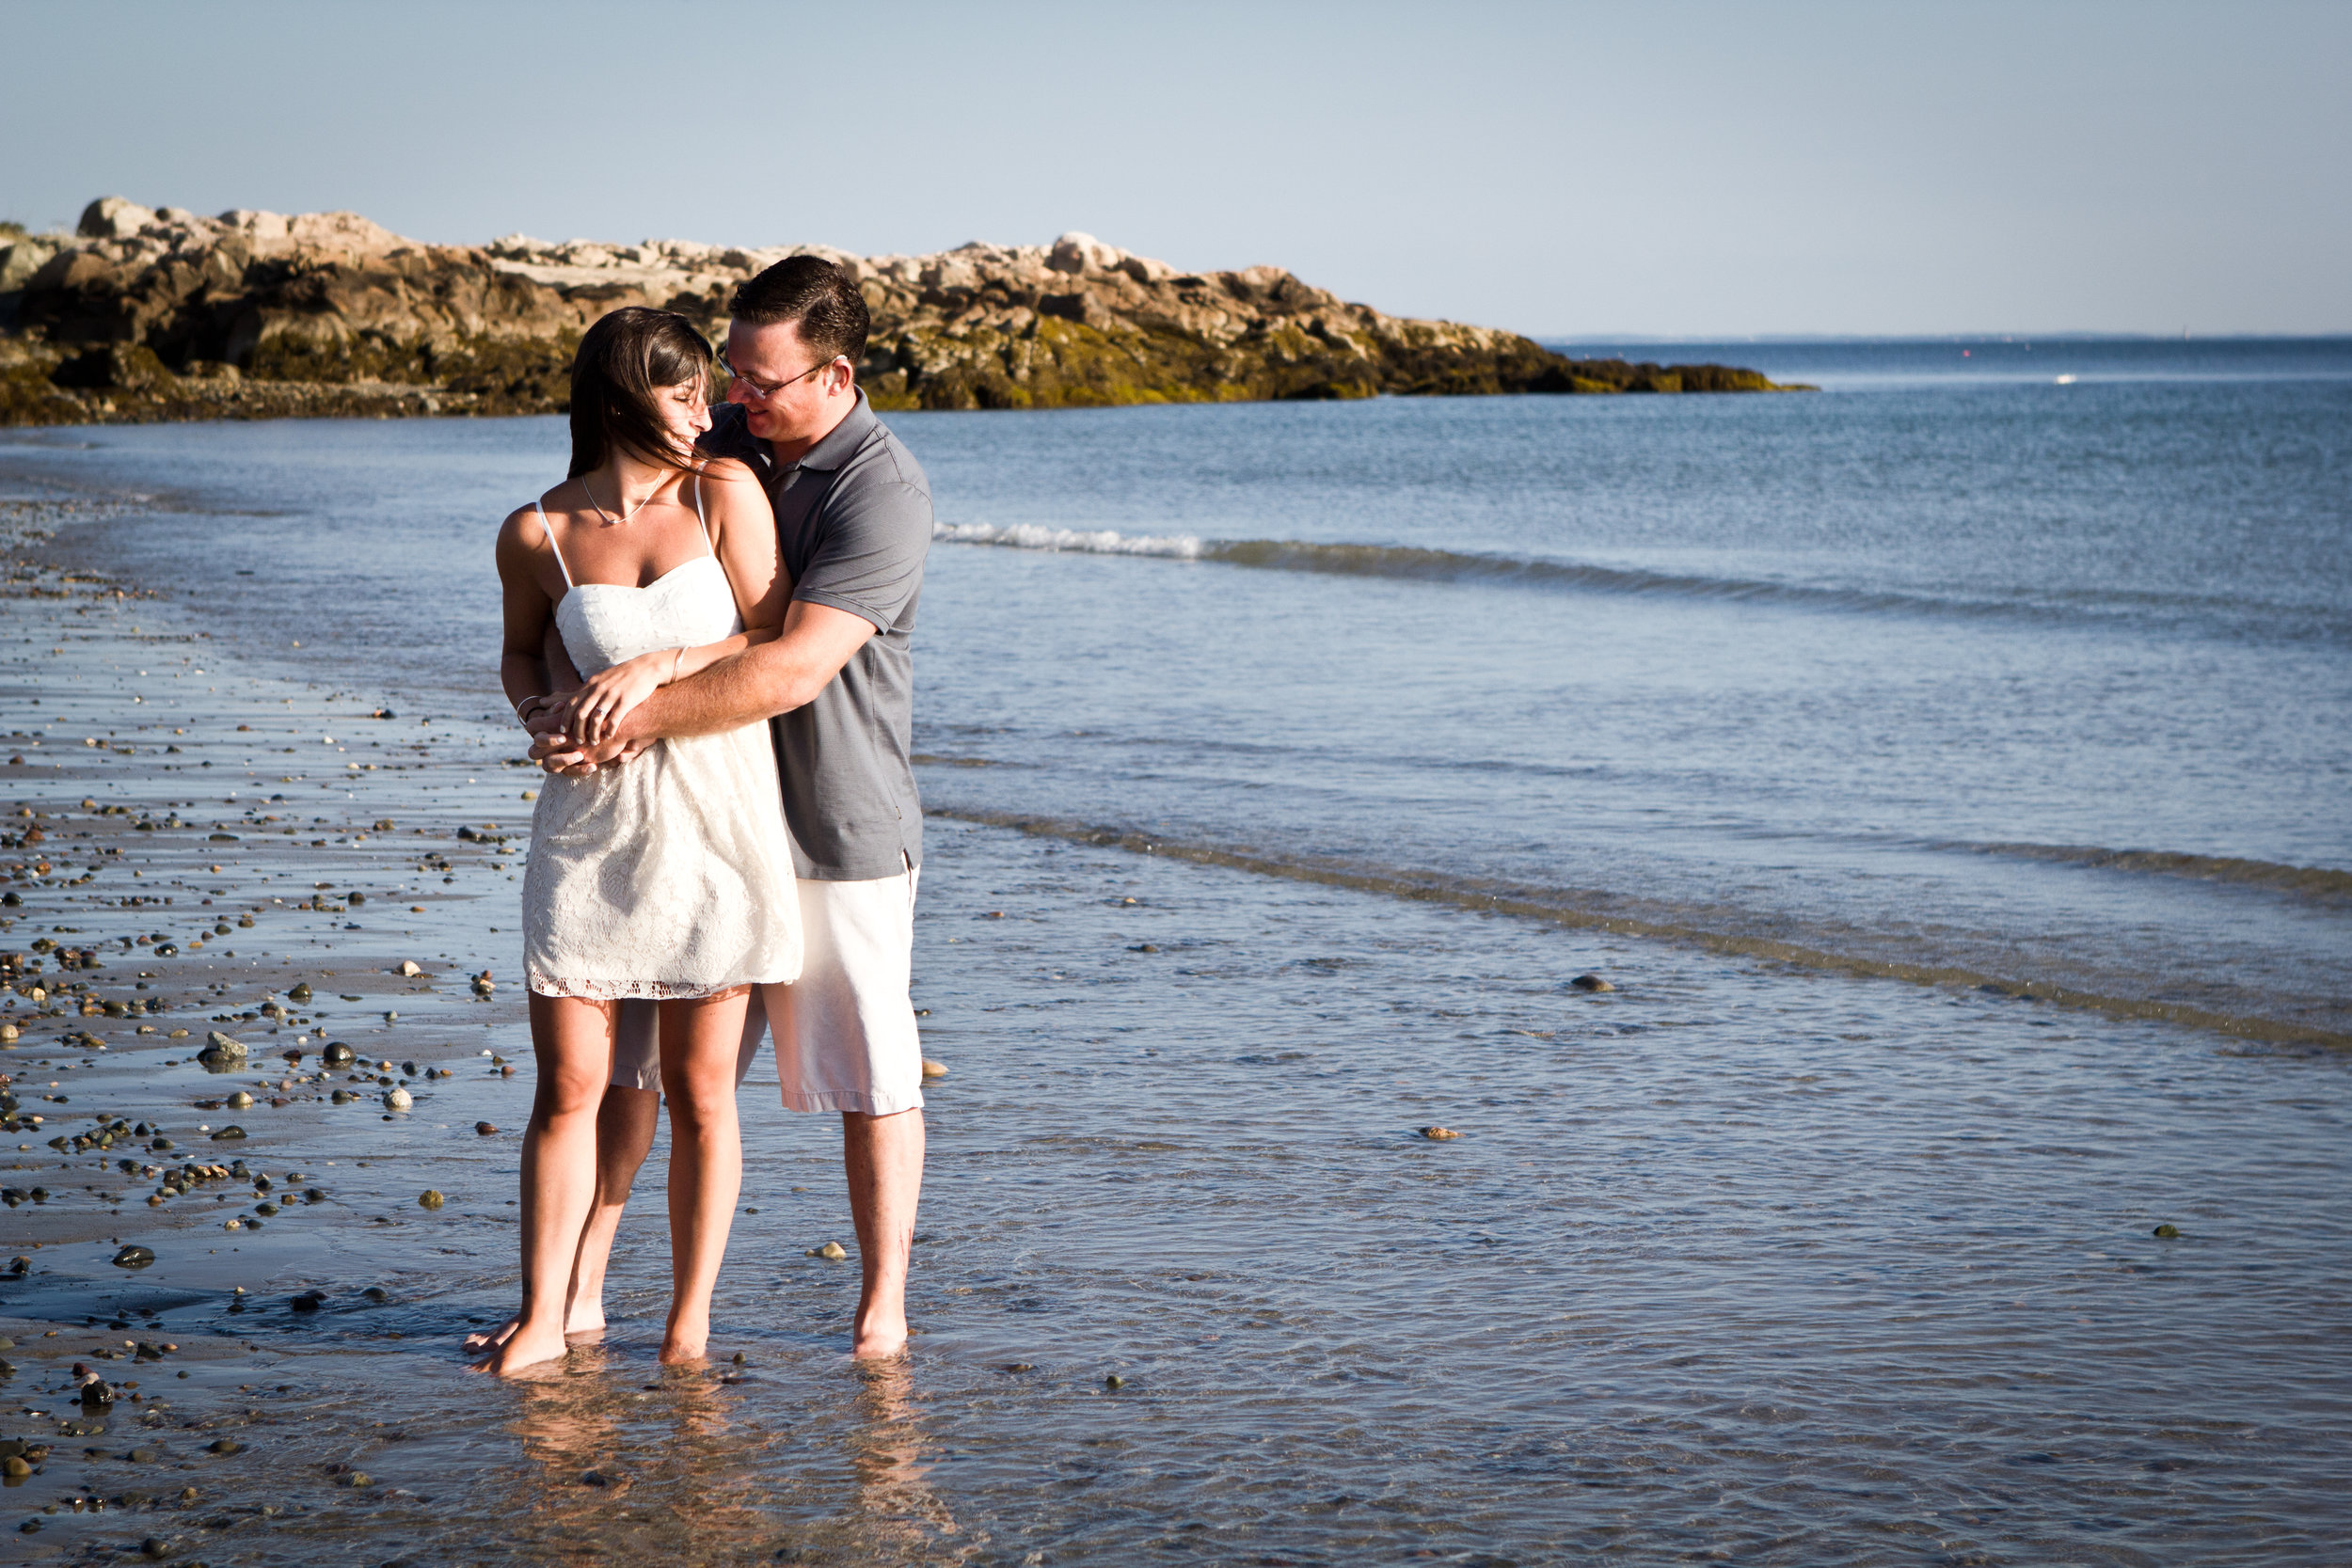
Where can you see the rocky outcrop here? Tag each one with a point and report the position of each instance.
(162, 314)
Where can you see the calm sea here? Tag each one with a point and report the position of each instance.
(2030, 662)
(2011, 665)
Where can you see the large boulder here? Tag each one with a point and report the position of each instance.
(112, 217)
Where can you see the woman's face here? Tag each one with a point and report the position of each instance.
(685, 411)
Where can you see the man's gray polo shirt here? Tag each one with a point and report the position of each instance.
(855, 519)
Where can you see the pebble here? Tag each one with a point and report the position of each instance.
(133, 1258)
(934, 1070)
(398, 1099)
(240, 1099)
(355, 1477)
(301, 992)
(830, 1251)
(1591, 982)
(411, 968)
(486, 1128)
(429, 1198)
(1114, 1381)
(228, 1134)
(225, 1444)
(1440, 1135)
(2167, 1232)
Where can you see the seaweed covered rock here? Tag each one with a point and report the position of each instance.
(164, 314)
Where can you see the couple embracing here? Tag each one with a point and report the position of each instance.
(707, 630)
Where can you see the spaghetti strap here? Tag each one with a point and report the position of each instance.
(705, 526)
(699, 517)
(550, 530)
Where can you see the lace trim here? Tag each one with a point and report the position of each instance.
(630, 991)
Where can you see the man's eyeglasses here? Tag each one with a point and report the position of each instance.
(762, 393)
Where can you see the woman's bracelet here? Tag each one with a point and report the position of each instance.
(522, 706)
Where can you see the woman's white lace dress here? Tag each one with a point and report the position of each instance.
(668, 876)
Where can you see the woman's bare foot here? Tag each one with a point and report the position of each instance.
(525, 1347)
(583, 1320)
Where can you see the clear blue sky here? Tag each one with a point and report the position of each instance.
(1663, 167)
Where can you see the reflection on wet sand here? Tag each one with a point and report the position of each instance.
(895, 1501)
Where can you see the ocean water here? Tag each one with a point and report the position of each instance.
(2031, 668)
(1289, 763)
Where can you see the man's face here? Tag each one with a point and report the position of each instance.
(806, 406)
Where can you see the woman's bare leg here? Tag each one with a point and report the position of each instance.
(572, 1039)
(700, 1041)
(626, 1124)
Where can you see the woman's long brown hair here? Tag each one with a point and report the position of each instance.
(623, 363)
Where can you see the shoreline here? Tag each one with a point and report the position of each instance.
(199, 858)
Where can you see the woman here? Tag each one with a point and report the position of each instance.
(667, 877)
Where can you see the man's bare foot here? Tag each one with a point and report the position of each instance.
(879, 1338)
(686, 1339)
(583, 1320)
(525, 1347)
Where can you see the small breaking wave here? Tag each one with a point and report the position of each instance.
(1034, 536)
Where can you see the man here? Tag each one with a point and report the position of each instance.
(853, 521)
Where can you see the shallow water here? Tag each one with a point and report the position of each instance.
(1732, 1260)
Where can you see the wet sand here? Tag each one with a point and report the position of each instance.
(1732, 1262)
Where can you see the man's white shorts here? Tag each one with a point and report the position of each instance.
(844, 1031)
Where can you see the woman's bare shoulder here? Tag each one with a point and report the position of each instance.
(526, 527)
(728, 474)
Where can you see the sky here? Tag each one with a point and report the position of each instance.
(1672, 168)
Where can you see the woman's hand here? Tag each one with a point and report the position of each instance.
(592, 713)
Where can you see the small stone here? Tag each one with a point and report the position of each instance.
(143, 1456)
(308, 1301)
(1114, 1381)
(411, 968)
(225, 1444)
(831, 1252)
(336, 1053)
(934, 1070)
(377, 1292)
(484, 1128)
(2167, 1232)
(228, 1134)
(14, 1465)
(429, 1198)
(355, 1477)
(152, 1547)
(1591, 982)
(301, 992)
(398, 1099)
(133, 1258)
(240, 1099)
(1440, 1135)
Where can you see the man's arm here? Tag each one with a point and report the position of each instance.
(758, 683)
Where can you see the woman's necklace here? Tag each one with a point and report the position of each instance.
(607, 516)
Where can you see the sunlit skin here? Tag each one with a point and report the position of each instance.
(883, 1156)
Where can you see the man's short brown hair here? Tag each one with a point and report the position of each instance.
(821, 298)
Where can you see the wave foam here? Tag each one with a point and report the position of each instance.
(1033, 537)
